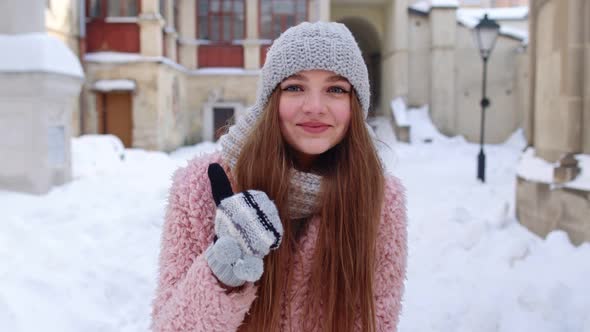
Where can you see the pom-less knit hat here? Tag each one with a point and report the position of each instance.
(307, 46)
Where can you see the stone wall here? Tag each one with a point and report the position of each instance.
(558, 116)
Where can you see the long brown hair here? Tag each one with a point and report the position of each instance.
(350, 198)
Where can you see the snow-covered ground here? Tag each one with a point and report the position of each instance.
(84, 256)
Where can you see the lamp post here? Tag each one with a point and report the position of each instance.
(485, 34)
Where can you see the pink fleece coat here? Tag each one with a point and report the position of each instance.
(189, 297)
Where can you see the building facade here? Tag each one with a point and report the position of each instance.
(553, 190)
(163, 73)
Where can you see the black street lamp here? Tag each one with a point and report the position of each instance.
(485, 34)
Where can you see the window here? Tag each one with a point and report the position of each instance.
(220, 21)
(112, 8)
(122, 8)
(95, 8)
(277, 16)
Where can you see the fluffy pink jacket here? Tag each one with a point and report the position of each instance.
(189, 297)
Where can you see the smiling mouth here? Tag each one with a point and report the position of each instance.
(314, 128)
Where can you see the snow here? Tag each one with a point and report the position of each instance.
(37, 52)
(118, 57)
(84, 256)
(114, 85)
(444, 3)
(535, 169)
(399, 110)
(121, 57)
(470, 20)
(520, 13)
(421, 6)
(582, 181)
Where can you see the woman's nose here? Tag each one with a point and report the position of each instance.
(314, 103)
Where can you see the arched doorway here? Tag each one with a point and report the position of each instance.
(367, 38)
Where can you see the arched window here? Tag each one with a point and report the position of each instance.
(220, 21)
(277, 16)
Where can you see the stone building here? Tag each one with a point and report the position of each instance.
(553, 190)
(163, 73)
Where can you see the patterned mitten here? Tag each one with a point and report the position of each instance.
(247, 227)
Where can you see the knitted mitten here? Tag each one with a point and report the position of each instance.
(247, 227)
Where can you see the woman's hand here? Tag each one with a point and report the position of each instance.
(247, 227)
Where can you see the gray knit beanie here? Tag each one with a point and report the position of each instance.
(307, 46)
(320, 45)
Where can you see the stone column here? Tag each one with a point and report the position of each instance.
(150, 28)
(170, 31)
(187, 26)
(559, 93)
(37, 95)
(559, 80)
(319, 10)
(251, 42)
(395, 54)
(586, 72)
(443, 24)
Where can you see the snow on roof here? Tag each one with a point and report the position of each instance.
(114, 85)
(469, 17)
(444, 3)
(120, 57)
(536, 169)
(471, 21)
(421, 6)
(498, 14)
(37, 52)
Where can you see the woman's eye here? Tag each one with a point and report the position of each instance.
(337, 89)
(292, 88)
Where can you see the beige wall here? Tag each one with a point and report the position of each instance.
(445, 71)
(557, 117)
(560, 74)
(419, 66)
(144, 101)
(173, 110)
(372, 13)
(443, 32)
(235, 88)
(61, 21)
(502, 117)
(19, 9)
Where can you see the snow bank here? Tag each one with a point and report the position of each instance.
(533, 168)
(400, 112)
(582, 181)
(84, 257)
(37, 52)
(96, 155)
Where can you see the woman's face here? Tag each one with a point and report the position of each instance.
(314, 112)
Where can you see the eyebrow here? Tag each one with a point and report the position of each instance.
(333, 78)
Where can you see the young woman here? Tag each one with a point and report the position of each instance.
(315, 237)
